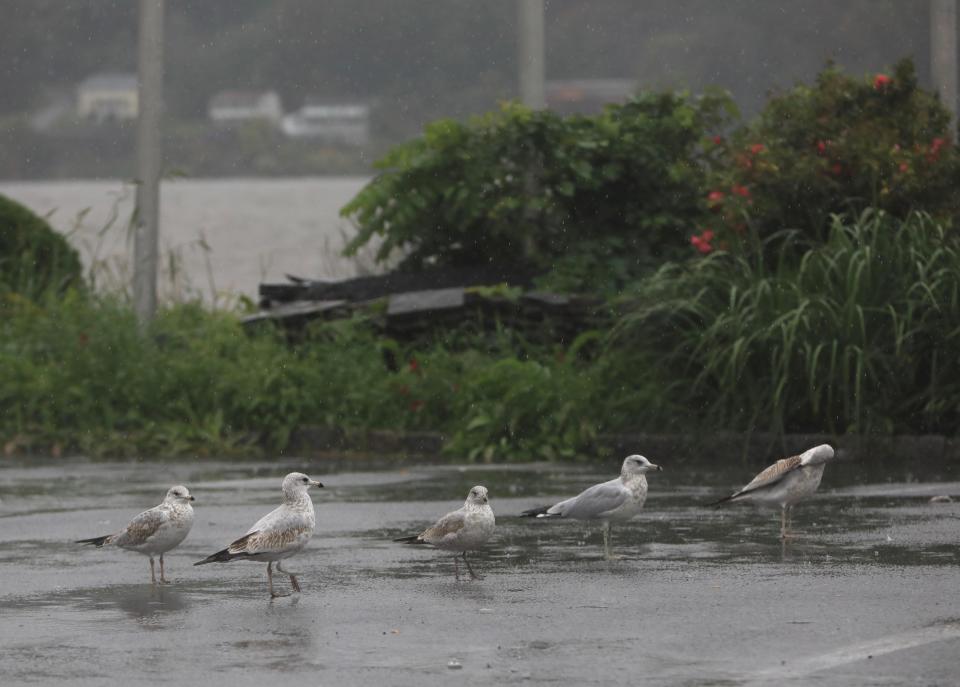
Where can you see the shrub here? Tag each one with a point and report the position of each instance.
(34, 258)
(838, 146)
(859, 335)
(78, 372)
(527, 187)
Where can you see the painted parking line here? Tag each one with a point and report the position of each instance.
(860, 651)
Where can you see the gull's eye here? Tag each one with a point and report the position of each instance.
(304, 480)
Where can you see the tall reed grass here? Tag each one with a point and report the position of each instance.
(859, 335)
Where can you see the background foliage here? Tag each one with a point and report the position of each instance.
(857, 336)
(795, 321)
(529, 188)
(840, 145)
(34, 259)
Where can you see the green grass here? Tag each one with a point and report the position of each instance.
(859, 335)
(77, 372)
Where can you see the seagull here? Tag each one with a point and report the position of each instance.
(618, 500)
(154, 531)
(785, 483)
(466, 529)
(279, 534)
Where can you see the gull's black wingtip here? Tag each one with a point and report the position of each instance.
(223, 556)
(96, 541)
(412, 539)
(535, 512)
(722, 501)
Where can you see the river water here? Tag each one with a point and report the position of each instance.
(701, 596)
(218, 236)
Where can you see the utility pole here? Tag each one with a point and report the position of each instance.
(149, 158)
(943, 51)
(531, 54)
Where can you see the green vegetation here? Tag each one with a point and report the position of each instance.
(859, 335)
(773, 316)
(839, 146)
(524, 187)
(76, 372)
(34, 259)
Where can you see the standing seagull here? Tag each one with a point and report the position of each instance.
(155, 531)
(618, 500)
(466, 529)
(279, 534)
(785, 482)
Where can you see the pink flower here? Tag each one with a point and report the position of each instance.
(741, 191)
(717, 140)
(935, 146)
(757, 148)
(904, 167)
(821, 147)
(836, 169)
(702, 242)
(715, 199)
(881, 81)
(414, 366)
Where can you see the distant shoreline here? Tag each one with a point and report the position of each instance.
(220, 235)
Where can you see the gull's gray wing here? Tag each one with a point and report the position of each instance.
(142, 527)
(771, 475)
(269, 520)
(280, 529)
(594, 502)
(449, 525)
(275, 540)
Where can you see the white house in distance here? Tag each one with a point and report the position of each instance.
(237, 107)
(331, 122)
(108, 97)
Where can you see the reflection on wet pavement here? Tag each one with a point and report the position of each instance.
(700, 595)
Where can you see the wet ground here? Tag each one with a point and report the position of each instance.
(870, 595)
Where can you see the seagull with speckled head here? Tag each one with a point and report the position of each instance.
(617, 500)
(279, 534)
(154, 531)
(465, 529)
(786, 482)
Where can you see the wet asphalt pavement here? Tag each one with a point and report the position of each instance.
(869, 595)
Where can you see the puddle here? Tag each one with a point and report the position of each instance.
(699, 596)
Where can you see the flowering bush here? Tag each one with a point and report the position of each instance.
(838, 146)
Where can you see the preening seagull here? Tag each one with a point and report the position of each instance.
(154, 531)
(463, 530)
(279, 534)
(618, 500)
(785, 482)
